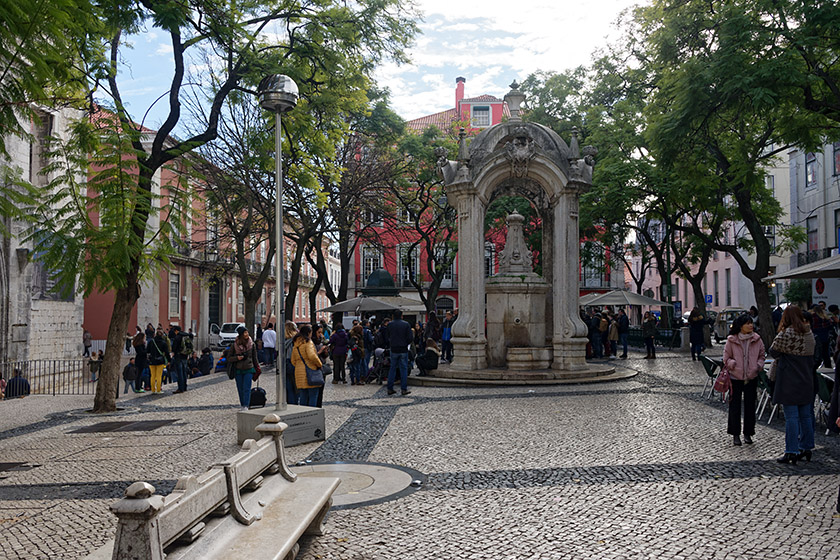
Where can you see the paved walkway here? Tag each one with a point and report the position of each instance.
(640, 468)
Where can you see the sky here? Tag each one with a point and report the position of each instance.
(485, 41)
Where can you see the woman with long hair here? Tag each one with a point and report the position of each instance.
(303, 354)
(158, 353)
(795, 388)
(696, 335)
(743, 356)
(243, 359)
(289, 331)
(141, 361)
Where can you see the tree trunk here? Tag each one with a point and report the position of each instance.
(765, 312)
(109, 375)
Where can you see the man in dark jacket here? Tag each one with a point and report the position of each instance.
(181, 350)
(17, 386)
(400, 337)
(623, 330)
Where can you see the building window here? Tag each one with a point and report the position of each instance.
(810, 170)
(174, 293)
(373, 217)
(837, 158)
(240, 303)
(445, 253)
(409, 261)
(812, 225)
(837, 228)
(371, 260)
(489, 260)
(480, 116)
(728, 280)
(717, 289)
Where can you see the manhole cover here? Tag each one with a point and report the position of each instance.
(136, 426)
(364, 484)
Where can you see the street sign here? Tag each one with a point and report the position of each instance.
(708, 298)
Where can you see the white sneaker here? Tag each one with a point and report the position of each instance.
(243, 409)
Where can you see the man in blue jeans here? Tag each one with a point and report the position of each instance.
(400, 336)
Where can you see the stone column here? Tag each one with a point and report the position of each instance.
(569, 331)
(468, 340)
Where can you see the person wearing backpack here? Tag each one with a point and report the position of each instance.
(182, 348)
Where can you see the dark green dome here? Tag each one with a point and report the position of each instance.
(380, 283)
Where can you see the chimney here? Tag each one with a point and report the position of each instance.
(459, 94)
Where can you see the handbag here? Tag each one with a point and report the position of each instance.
(314, 377)
(723, 383)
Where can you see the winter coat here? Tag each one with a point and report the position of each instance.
(733, 357)
(695, 328)
(130, 372)
(429, 360)
(157, 350)
(249, 356)
(623, 324)
(305, 350)
(339, 342)
(205, 364)
(649, 328)
(142, 359)
(794, 353)
(613, 336)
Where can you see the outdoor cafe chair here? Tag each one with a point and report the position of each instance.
(766, 395)
(711, 368)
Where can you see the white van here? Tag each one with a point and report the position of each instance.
(228, 333)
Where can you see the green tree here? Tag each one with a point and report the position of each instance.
(44, 48)
(239, 40)
(721, 112)
(799, 291)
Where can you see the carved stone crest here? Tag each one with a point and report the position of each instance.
(520, 151)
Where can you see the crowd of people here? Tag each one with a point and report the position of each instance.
(391, 346)
(606, 331)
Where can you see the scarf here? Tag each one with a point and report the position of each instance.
(797, 344)
(240, 348)
(745, 345)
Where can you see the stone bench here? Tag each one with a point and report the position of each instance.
(206, 516)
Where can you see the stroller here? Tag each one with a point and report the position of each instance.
(381, 364)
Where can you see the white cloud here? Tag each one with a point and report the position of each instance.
(164, 49)
(490, 45)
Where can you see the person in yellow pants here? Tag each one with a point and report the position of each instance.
(158, 352)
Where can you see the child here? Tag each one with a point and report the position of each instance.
(130, 376)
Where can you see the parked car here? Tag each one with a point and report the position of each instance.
(228, 333)
(724, 319)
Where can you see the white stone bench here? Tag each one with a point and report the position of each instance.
(266, 524)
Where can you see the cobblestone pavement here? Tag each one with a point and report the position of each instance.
(640, 468)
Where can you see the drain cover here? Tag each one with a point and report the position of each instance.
(137, 426)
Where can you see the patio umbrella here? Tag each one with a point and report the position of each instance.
(620, 297)
(360, 303)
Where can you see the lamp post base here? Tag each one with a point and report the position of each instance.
(306, 424)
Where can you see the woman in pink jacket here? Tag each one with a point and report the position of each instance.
(743, 355)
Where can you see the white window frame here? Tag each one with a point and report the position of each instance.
(405, 272)
(482, 122)
(174, 301)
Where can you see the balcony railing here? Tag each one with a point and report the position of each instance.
(446, 284)
(813, 256)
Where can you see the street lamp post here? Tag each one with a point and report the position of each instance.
(279, 94)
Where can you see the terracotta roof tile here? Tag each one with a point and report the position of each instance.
(443, 120)
(482, 98)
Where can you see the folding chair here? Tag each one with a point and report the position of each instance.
(711, 368)
(766, 395)
(823, 400)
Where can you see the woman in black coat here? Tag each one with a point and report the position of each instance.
(795, 388)
(696, 322)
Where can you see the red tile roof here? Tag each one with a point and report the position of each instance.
(442, 120)
(489, 98)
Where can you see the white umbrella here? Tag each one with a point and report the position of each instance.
(620, 297)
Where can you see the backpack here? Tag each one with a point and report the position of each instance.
(186, 346)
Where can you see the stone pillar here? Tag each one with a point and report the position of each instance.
(468, 341)
(138, 531)
(569, 331)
